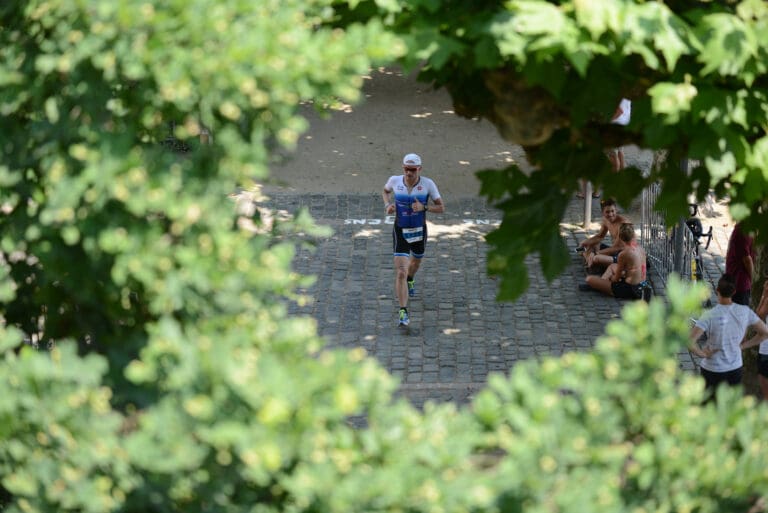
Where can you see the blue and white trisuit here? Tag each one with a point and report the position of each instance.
(409, 235)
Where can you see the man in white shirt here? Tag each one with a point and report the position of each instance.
(725, 326)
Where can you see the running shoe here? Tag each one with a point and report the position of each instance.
(404, 321)
(412, 288)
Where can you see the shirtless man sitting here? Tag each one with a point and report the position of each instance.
(626, 278)
(596, 253)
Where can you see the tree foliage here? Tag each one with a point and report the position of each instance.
(104, 230)
(177, 382)
(550, 74)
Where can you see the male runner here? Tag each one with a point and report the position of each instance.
(408, 196)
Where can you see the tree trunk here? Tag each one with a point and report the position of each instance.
(751, 385)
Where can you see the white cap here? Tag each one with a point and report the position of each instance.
(411, 160)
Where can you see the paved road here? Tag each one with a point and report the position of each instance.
(458, 334)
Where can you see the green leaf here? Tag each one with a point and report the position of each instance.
(728, 44)
(445, 49)
(554, 256)
(758, 156)
(672, 100)
(580, 61)
(721, 168)
(509, 42)
(739, 211)
(391, 6)
(648, 55)
(495, 184)
(721, 109)
(514, 276)
(486, 406)
(486, 54)
(597, 16)
(10, 338)
(670, 41)
(537, 18)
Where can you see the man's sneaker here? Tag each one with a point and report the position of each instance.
(404, 321)
(411, 288)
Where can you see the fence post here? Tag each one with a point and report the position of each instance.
(587, 205)
(680, 233)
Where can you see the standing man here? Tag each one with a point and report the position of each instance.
(407, 196)
(740, 263)
(621, 116)
(725, 326)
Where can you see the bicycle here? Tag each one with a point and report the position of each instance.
(697, 231)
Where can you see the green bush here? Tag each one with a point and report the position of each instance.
(243, 426)
(61, 446)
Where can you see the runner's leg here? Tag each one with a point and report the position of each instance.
(401, 285)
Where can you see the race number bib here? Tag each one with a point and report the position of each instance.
(412, 235)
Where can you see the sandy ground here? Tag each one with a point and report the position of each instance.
(359, 147)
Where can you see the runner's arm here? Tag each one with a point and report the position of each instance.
(389, 206)
(437, 207)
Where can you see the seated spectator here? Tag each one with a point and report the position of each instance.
(609, 224)
(626, 278)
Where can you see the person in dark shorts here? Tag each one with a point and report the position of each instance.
(408, 197)
(627, 277)
(598, 255)
(725, 326)
(762, 354)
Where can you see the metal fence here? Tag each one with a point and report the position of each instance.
(666, 252)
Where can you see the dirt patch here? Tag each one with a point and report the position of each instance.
(360, 146)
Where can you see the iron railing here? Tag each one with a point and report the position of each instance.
(661, 243)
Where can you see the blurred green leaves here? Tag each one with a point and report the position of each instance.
(60, 436)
